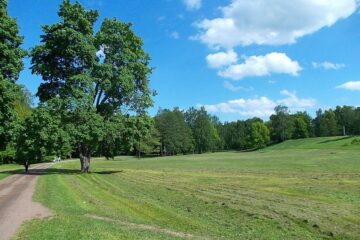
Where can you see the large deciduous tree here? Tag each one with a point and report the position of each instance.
(10, 52)
(97, 76)
(11, 94)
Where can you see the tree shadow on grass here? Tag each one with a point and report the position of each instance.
(54, 171)
(335, 140)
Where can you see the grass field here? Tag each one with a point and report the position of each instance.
(305, 189)
(8, 169)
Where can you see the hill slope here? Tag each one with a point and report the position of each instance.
(344, 143)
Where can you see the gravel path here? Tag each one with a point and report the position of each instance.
(16, 205)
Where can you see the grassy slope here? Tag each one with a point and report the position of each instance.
(9, 169)
(271, 194)
(343, 143)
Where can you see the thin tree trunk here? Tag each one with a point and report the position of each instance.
(82, 162)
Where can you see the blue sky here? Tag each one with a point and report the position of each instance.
(238, 58)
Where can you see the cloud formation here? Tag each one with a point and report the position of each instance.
(258, 66)
(274, 22)
(220, 59)
(228, 85)
(175, 35)
(261, 106)
(328, 65)
(193, 4)
(352, 86)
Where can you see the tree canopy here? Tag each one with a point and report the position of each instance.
(11, 53)
(94, 76)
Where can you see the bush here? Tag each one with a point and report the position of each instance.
(356, 141)
(48, 158)
(8, 155)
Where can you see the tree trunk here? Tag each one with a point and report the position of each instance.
(85, 158)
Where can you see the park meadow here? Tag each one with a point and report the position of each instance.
(84, 155)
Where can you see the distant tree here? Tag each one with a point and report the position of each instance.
(281, 125)
(126, 135)
(345, 117)
(257, 134)
(325, 124)
(233, 135)
(318, 128)
(205, 134)
(329, 121)
(151, 143)
(176, 135)
(357, 121)
(96, 77)
(300, 129)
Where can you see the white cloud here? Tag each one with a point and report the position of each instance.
(261, 106)
(271, 82)
(175, 35)
(352, 86)
(258, 66)
(220, 59)
(328, 65)
(294, 102)
(228, 85)
(274, 22)
(161, 18)
(193, 4)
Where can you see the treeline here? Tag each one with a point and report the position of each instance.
(92, 80)
(196, 131)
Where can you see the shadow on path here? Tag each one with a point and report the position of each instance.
(51, 171)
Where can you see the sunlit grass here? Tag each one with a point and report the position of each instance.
(269, 194)
(9, 169)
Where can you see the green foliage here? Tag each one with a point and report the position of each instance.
(8, 155)
(176, 136)
(44, 134)
(9, 94)
(10, 52)
(233, 135)
(347, 120)
(326, 124)
(257, 135)
(355, 141)
(121, 74)
(150, 143)
(281, 124)
(206, 137)
(300, 129)
(95, 78)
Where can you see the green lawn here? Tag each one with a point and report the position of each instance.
(292, 192)
(9, 169)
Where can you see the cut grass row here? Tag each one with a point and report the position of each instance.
(290, 194)
(302, 189)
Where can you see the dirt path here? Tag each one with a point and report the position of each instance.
(16, 205)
